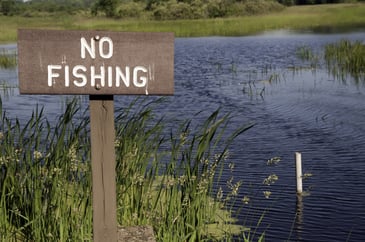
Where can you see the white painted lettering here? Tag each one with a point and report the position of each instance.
(110, 76)
(120, 75)
(82, 79)
(142, 81)
(90, 48)
(51, 74)
(109, 41)
(67, 76)
(94, 76)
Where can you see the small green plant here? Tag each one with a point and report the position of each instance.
(346, 57)
(305, 53)
(7, 59)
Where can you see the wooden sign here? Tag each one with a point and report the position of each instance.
(95, 62)
(100, 64)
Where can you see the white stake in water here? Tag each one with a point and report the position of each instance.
(298, 162)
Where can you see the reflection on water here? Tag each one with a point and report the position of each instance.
(295, 109)
(299, 218)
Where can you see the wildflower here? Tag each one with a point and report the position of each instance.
(220, 193)
(37, 155)
(245, 199)
(203, 185)
(273, 161)
(3, 160)
(186, 201)
(204, 161)
(140, 180)
(307, 175)
(229, 182)
(117, 143)
(183, 137)
(72, 153)
(267, 194)
(231, 166)
(56, 171)
(271, 179)
(43, 171)
(170, 182)
(235, 188)
(182, 180)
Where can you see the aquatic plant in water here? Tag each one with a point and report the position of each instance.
(346, 57)
(343, 59)
(167, 181)
(7, 59)
(305, 53)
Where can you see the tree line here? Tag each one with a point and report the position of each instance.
(152, 9)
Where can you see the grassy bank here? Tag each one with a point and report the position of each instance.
(313, 17)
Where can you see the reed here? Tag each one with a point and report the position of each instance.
(346, 58)
(305, 53)
(168, 181)
(45, 188)
(7, 59)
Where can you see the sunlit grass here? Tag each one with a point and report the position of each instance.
(165, 180)
(324, 17)
(346, 57)
(7, 59)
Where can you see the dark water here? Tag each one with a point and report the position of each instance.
(305, 110)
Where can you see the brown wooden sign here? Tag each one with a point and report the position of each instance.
(95, 62)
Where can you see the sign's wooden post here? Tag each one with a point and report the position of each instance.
(103, 168)
(99, 64)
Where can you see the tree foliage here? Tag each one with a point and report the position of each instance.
(155, 9)
(106, 6)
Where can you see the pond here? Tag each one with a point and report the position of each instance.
(295, 108)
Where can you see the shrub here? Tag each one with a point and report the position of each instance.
(175, 10)
(130, 10)
(217, 8)
(261, 7)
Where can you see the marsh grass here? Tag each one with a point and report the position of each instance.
(346, 57)
(167, 181)
(305, 53)
(45, 188)
(321, 18)
(177, 192)
(7, 59)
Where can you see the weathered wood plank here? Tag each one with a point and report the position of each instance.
(103, 168)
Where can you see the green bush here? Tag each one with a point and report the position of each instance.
(217, 8)
(261, 7)
(176, 10)
(130, 10)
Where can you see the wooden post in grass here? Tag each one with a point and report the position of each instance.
(298, 169)
(99, 64)
(103, 168)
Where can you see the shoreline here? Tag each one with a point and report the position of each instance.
(324, 18)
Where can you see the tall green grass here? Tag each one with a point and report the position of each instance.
(324, 17)
(346, 57)
(7, 59)
(167, 181)
(45, 183)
